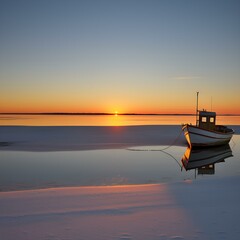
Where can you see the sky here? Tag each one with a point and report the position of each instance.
(128, 56)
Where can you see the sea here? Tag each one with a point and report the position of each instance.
(24, 170)
(105, 120)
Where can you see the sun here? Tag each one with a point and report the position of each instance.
(116, 113)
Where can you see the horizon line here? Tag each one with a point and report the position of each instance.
(103, 113)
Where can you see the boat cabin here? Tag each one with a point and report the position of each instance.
(207, 170)
(207, 120)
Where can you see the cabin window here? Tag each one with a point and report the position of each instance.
(204, 119)
(212, 119)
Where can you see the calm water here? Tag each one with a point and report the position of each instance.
(141, 165)
(106, 120)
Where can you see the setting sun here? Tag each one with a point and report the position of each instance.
(57, 65)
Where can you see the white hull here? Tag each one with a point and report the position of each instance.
(197, 137)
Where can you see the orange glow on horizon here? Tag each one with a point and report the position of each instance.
(116, 113)
(47, 105)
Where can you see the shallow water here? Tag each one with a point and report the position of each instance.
(105, 120)
(139, 165)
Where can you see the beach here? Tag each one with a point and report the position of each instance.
(56, 138)
(60, 138)
(184, 210)
(206, 208)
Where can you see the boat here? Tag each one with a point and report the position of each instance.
(204, 159)
(206, 133)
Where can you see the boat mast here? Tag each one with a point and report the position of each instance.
(197, 111)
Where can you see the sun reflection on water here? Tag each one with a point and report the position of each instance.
(114, 119)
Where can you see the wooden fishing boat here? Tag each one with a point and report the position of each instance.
(206, 132)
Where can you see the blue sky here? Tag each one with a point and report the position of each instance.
(131, 56)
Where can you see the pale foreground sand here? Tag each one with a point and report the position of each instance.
(185, 210)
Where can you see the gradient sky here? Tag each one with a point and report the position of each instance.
(126, 56)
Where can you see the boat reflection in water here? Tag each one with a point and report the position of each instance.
(204, 160)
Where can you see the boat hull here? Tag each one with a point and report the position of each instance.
(198, 137)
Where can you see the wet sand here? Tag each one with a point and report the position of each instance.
(87, 138)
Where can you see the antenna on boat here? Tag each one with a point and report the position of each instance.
(211, 103)
(197, 111)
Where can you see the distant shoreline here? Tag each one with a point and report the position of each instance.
(112, 114)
